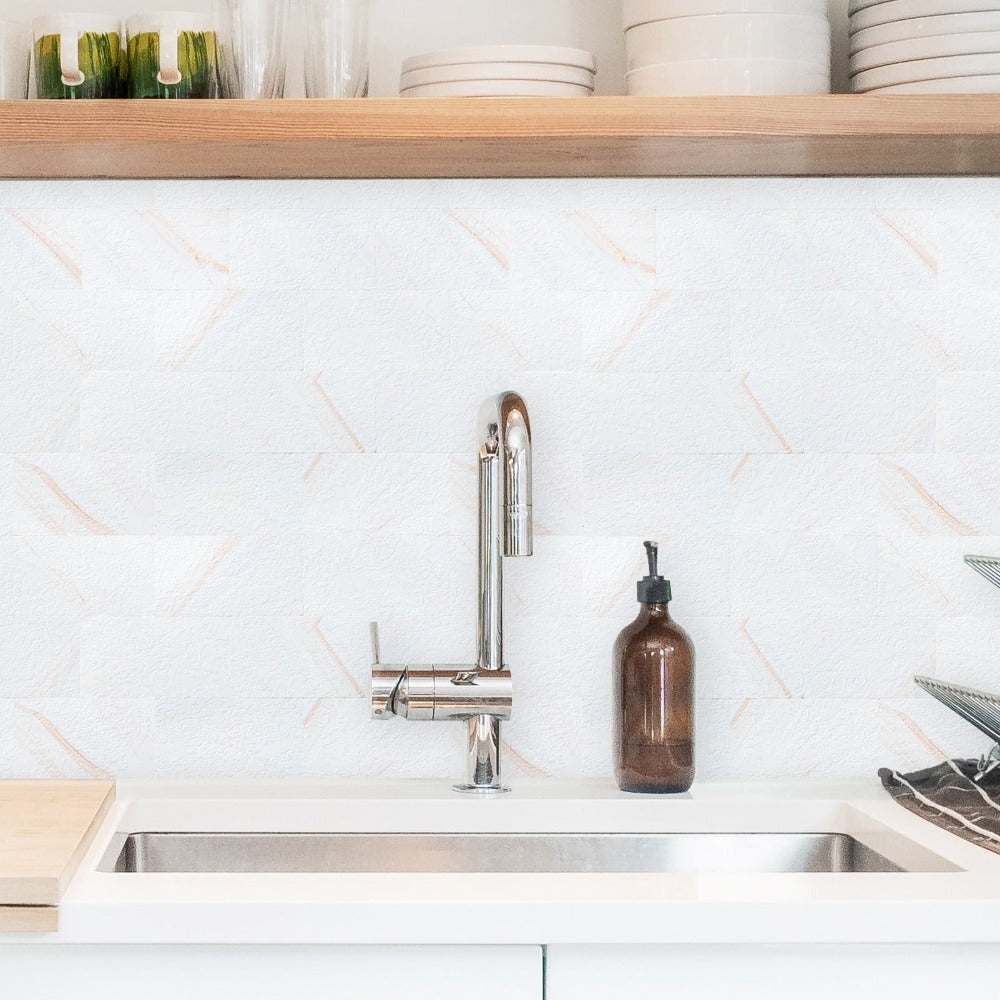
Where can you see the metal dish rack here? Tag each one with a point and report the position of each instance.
(988, 566)
(979, 708)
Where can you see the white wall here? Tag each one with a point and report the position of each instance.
(403, 27)
(237, 423)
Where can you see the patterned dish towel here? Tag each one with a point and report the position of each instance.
(948, 796)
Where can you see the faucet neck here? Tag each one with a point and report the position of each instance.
(505, 529)
(490, 619)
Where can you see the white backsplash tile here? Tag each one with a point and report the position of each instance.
(78, 494)
(75, 738)
(873, 412)
(648, 332)
(115, 247)
(787, 250)
(811, 573)
(214, 494)
(229, 574)
(967, 408)
(301, 413)
(814, 493)
(866, 655)
(40, 411)
(40, 657)
(292, 249)
(810, 330)
(939, 495)
(442, 249)
(966, 649)
(123, 412)
(340, 739)
(154, 656)
(229, 737)
(239, 329)
(390, 493)
(78, 330)
(413, 572)
(237, 424)
(584, 248)
(926, 575)
(366, 331)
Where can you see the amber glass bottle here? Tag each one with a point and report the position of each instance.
(654, 695)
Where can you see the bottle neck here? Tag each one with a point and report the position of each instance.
(647, 611)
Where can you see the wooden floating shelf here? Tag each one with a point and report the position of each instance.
(591, 137)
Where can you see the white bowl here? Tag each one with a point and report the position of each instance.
(986, 84)
(497, 71)
(504, 53)
(925, 69)
(643, 11)
(729, 36)
(903, 10)
(936, 47)
(732, 77)
(924, 27)
(498, 88)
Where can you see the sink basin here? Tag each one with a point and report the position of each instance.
(684, 853)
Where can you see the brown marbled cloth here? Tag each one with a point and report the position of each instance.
(948, 796)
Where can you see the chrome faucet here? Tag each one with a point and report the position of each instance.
(478, 694)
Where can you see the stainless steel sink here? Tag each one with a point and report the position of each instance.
(687, 853)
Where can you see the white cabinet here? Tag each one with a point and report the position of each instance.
(770, 972)
(270, 972)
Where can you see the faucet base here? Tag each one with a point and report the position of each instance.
(481, 789)
(482, 760)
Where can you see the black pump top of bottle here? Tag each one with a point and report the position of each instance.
(653, 589)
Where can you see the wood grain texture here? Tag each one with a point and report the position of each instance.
(45, 829)
(29, 919)
(599, 136)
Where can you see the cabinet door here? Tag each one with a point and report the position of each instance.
(271, 972)
(770, 972)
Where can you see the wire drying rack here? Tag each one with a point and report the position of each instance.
(988, 566)
(979, 708)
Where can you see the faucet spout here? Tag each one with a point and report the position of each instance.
(504, 420)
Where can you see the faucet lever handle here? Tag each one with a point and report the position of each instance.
(376, 646)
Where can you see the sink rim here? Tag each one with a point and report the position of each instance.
(841, 847)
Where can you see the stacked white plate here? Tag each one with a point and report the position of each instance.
(500, 71)
(692, 47)
(925, 46)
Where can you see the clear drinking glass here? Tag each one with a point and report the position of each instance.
(15, 60)
(336, 48)
(253, 46)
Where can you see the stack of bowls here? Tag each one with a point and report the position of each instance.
(736, 47)
(500, 71)
(925, 46)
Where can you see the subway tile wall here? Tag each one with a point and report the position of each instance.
(237, 424)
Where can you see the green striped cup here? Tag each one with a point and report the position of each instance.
(172, 54)
(77, 56)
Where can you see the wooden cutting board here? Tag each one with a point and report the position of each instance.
(45, 829)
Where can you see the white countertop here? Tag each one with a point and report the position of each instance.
(955, 906)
